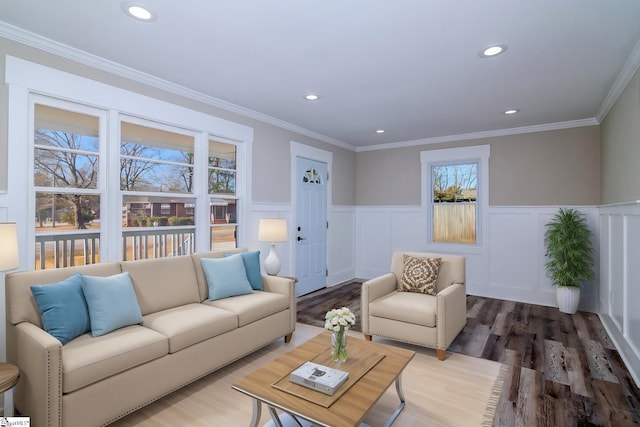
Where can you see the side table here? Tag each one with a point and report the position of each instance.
(9, 375)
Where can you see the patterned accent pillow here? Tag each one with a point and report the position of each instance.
(420, 275)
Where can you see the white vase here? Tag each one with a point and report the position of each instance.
(568, 299)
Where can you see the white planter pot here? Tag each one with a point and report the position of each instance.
(568, 299)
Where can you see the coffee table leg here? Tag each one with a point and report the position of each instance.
(402, 402)
(275, 417)
(257, 411)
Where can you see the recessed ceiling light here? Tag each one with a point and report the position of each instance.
(311, 97)
(380, 131)
(510, 112)
(493, 50)
(138, 11)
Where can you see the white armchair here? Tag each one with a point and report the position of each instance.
(417, 318)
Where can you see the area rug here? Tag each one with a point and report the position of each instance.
(460, 391)
(313, 307)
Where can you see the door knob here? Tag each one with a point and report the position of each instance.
(300, 238)
(299, 228)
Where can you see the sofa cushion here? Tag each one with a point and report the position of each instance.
(63, 308)
(88, 359)
(190, 324)
(226, 277)
(452, 267)
(252, 307)
(408, 307)
(112, 303)
(419, 275)
(203, 287)
(163, 283)
(21, 306)
(251, 262)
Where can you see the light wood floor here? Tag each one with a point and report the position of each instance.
(566, 371)
(452, 393)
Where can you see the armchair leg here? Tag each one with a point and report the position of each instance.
(367, 337)
(287, 338)
(441, 354)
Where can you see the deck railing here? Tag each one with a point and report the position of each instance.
(56, 250)
(158, 242)
(67, 250)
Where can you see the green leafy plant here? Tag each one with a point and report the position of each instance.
(569, 249)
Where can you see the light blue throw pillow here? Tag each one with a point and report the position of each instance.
(251, 262)
(63, 309)
(112, 303)
(226, 277)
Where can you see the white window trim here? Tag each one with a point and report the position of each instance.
(476, 153)
(26, 78)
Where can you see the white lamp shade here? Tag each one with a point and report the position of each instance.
(8, 246)
(272, 230)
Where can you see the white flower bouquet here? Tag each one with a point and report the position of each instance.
(338, 321)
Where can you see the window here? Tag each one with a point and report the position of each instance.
(97, 155)
(66, 153)
(455, 194)
(156, 184)
(223, 200)
(453, 208)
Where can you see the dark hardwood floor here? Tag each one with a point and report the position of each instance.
(564, 369)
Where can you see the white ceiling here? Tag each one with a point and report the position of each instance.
(410, 67)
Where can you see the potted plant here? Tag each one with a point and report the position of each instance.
(570, 256)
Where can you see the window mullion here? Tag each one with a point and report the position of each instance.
(201, 192)
(111, 237)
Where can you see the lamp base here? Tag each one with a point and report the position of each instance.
(271, 262)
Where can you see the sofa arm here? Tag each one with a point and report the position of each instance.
(287, 287)
(39, 390)
(371, 291)
(451, 315)
(279, 284)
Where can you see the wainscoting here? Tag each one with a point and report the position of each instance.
(619, 290)
(508, 264)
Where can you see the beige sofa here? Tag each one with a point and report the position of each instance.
(93, 381)
(426, 320)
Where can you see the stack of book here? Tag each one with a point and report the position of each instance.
(318, 377)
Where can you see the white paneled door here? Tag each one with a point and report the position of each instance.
(311, 225)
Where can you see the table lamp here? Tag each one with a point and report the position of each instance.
(272, 230)
(8, 246)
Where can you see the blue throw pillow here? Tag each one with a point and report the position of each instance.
(112, 303)
(226, 277)
(252, 266)
(63, 309)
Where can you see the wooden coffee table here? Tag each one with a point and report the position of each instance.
(349, 408)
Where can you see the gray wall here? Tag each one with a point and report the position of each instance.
(271, 158)
(560, 167)
(621, 147)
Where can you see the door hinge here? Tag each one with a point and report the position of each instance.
(327, 272)
(327, 224)
(327, 176)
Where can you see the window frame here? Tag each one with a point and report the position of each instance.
(450, 156)
(29, 81)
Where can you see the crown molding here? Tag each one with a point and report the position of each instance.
(626, 74)
(487, 134)
(59, 49)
